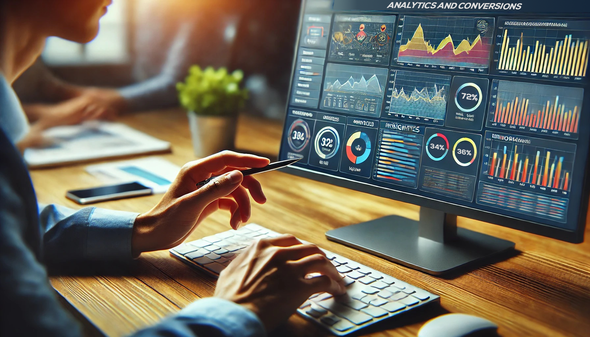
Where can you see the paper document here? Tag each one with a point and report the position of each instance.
(91, 140)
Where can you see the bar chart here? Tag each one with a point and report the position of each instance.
(398, 158)
(535, 163)
(536, 108)
(540, 47)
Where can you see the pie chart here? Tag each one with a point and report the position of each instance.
(358, 147)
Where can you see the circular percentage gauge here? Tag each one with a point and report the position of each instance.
(299, 135)
(327, 142)
(468, 97)
(437, 147)
(464, 152)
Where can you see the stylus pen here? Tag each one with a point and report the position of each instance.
(249, 172)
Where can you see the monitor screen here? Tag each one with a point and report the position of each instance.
(474, 108)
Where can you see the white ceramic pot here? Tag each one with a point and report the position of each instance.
(212, 134)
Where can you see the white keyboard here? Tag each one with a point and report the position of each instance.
(372, 296)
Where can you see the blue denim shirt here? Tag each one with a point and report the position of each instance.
(31, 236)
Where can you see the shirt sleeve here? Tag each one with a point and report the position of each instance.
(211, 317)
(89, 234)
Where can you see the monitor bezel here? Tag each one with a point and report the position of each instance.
(572, 236)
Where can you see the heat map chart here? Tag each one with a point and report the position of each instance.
(418, 96)
(398, 158)
(456, 43)
(554, 49)
(530, 163)
(536, 108)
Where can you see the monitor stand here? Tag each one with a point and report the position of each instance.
(433, 244)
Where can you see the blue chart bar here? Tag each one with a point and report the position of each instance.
(534, 205)
(398, 159)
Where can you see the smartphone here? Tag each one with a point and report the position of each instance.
(111, 192)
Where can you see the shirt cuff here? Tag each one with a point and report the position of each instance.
(109, 235)
(233, 319)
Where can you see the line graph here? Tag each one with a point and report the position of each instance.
(530, 47)
(417, 94)
(536, 108)
(445, 41)
(354, 89)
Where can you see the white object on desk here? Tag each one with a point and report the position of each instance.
(153, 172)
(91, 140)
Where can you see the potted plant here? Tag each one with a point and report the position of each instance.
(213, 99)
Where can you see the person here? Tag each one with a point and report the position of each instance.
(255, 293)
(168, 38)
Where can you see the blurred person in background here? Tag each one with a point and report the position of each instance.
(168, 38)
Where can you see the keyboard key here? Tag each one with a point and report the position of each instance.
(221, 251)
(409, 301)
(319, 308)
(343, 269)
(348, 281)
(330, 319)
(212, 239)
(378, 302)
(388, 279)
(203, 260)
(184, 249)
(225, 263)
(322, 296)
(364, 271)
(375, 276)
(343, 311)
(379, 285)
(368, 298)
(200, 243)
(370, 291)
(366, 280)
(385, 294)
(355, 304)
(212, 247)
(375, 312)
(225, 235)
(393, 306)
(305, 305)
(341, 260)
(314, 313)
(421, 295)
(335, 263)
(227, 254)
(355, 275)
(409, 290)
(353, 265)
(398, 296)
(213, 256)
(196, 254)
(357, 296)
(343, 325)
(215, 267)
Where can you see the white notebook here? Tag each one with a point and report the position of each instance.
(90, 141)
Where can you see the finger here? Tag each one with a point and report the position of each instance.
(324, 283)
(202, 169)
(236, 219)
(243, 199)
(226, 204)
(255, 189)
(285, 240)
(217, 188)
(299, 251)
(316, 263)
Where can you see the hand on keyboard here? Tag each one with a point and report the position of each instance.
(271, 278)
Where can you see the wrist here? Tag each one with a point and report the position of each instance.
(140, 241)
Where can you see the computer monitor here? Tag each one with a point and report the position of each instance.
(470, 109)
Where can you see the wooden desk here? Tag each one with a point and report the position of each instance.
(543, 291)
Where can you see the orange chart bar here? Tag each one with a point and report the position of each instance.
(568, 57)
(553, 116)
(546, 171)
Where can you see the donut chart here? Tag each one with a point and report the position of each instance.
(355, 144)
(464, 152)
(437, 147)
(327, 142)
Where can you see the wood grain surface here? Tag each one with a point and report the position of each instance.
(544, 290)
